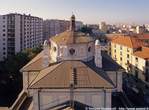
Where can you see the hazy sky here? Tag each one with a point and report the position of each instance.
(88, 11)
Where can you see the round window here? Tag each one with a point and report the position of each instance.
(72, 51)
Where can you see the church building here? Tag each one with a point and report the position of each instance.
(71, 72)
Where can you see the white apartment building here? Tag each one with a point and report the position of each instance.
(140, 29)
(18, 32)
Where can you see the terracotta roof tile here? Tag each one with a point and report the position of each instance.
(143, 37)
(144, 53)
(128, 41)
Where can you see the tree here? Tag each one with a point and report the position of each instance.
(86, 30)
(12, 77)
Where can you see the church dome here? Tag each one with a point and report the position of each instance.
(72, 45)
(71, 37)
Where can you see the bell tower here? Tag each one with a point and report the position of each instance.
(72, 23)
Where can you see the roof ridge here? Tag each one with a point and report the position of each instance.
(98, 74)
(89, 80)
(35, 58)
(34, 79)
(29, 64)
(47, 73)
(101, 77)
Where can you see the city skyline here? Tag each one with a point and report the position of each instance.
(113, 11)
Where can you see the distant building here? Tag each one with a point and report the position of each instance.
(147, 27)
(18, 32)
(140, 29)
(79, 25)
(54, 26)
(73, 72)
(93, 26)
(128, 52)
(103, 27)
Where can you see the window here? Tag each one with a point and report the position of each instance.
(3, 34)
(127, 55)
(3, 30)
(120, 53)
(4, 53)
(136, 59)
(115, 56)
(89, 49)
(147, 63)
(115, 50)
(3, 17)
(120, 58)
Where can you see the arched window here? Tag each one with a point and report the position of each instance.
(89, 49)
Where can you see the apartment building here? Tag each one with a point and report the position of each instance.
(18, 32)
(140, 64)
(55, 26)
(128, 52)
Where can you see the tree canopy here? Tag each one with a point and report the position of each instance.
(10, 76)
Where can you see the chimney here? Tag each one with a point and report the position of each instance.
(98, 57)
(45, 59)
